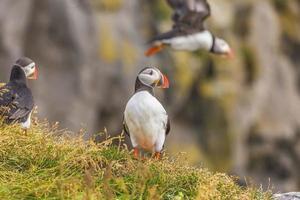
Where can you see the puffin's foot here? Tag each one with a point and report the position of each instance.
(154, 49)
(157, 155)
(143, 158)
(136, 153)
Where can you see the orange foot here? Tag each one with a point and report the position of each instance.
(154, 49)
(136, 153)
(157, 155)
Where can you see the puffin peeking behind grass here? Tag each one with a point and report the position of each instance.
(188, 32)
(16, 100)
(145, 119)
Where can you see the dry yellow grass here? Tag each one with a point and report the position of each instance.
(46, 165)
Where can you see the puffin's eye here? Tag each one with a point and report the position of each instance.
(151, 72)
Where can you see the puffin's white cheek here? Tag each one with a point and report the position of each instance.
(156, 76)
(146, 79)
(29, 71)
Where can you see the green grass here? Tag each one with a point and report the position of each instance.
(44, 165)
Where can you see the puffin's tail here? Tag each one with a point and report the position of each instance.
(154, 49)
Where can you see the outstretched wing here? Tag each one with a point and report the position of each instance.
(190, 13)
(166, 35)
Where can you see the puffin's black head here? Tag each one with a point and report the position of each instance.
(152, 77)
(29, 67)
(17, 74)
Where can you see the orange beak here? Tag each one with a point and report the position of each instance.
(165, 82)
(34, 76)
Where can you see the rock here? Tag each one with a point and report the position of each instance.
(272, 108)
(288, 196)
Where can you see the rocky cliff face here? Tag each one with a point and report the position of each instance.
(243, 113)
(267, 112)
(288, 196)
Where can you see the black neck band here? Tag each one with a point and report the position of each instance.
(140, 86)
(213, 43)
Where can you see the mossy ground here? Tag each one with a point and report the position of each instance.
(45, 165)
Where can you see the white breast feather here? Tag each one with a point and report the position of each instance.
(27, 123)
(146, 120)
(202, 40)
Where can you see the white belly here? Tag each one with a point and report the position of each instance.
(27, 123)
(202, 40)
(146, 120)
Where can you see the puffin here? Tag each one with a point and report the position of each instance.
(188, 32)
(146, 121)
(16, 99)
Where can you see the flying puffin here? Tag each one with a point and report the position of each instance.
(16, 100)
(188, 32)
(145, 119)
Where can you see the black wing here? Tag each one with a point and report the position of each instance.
(167, 35)
(168, 127)
(190, 13)
(179, 9)
(16, 102)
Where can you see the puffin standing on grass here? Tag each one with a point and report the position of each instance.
(145, 119)
(188, 32)
(16, 100)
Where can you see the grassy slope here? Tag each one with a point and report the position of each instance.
(41, 166)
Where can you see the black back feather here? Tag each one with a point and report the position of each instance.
(16, 100)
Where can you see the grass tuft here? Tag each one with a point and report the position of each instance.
(43, 165)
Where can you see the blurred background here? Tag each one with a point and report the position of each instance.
(239, 116)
